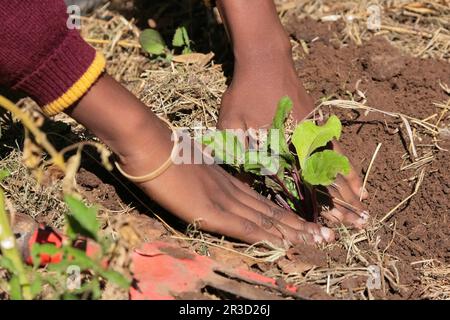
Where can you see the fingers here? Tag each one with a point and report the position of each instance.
(224, 123)
(262, 204)
(236, 227)
(306, 235)
(273, 211)
(277, 220)
(347, 207)
(352, 179)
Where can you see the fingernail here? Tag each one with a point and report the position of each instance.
(317, 238)
(364, 215)
(361, 222)
(336, 214)
(327, 233)
(363, 192)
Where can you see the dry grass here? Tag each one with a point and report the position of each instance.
(421, 28)
(435, 281)
(27, 196)
(190, 95)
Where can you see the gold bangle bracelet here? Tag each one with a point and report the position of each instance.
(156, 173)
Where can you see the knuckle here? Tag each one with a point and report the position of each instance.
(276, 213)
(266, 222)
(249, 226)
(216, 211)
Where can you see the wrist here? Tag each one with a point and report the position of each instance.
(268, 50)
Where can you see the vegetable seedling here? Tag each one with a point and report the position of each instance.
(293, 177)
(152, 42)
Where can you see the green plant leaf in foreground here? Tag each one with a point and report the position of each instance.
(259, 162)
(116, 277)
(284, 108)
(225, 146)
(307, 137)
(152, 42)
(322, 167)
(81, 219)
(4, 174)
(15, 290)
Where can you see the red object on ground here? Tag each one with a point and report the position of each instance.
(164, 271)
(47, 235)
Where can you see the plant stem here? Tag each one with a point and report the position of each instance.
(41, 138)
(296, 177)
(314, 203)
(9, 249)
(283, 202)
(287, 192)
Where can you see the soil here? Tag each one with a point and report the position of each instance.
(391, 81)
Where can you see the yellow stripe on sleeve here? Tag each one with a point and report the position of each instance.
(78, 88)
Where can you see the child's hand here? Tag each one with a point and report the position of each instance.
(222, 204)
(194, 192)
(251, 101)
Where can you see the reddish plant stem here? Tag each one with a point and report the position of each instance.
(314, 203)
(288, 193)
(296, 177)
(283, 202)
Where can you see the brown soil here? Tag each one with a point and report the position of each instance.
(391, 81)
(395, 82)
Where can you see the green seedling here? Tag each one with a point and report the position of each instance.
(26, 283)
(181, 40)
(153, 42)
(293, 177)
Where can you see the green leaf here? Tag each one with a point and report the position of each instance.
(46, 248)
(82, 220)
(60, 266)
(95, 288)
(38, 249)
(187, 41)
(116, 278)
(152, 42)
(284, 108)
(4, 173)
(322, 167)
(281, 147)
(15, 290)
(307, 137)
(36, 285)
(178, 37)
(186, 50)
(69, 296)
(80, 259)
(261, 163)
(225, 146)
(290, 185)
(7, 264)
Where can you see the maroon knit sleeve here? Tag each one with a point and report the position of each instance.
(39, 54)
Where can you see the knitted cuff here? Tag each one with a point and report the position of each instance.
(65, 76)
